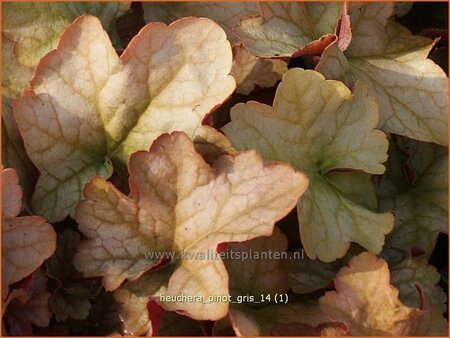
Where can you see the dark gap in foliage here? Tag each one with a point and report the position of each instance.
(131, 23)
(222, 115)
(289, 226)
(426, 15)
(439, 258)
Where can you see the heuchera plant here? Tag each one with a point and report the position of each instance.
(222, 168)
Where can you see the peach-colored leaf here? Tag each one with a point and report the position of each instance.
(265, 279)
(11, 194)
(248, 70)
(180, 204)
(87, 107)
(133, 313)
(366, 301)
(293, 318)
(26, 241)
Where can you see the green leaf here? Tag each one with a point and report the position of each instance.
(73, 303)
(71, 297)
(286, 29)
(413, 272)
(60, 265)
(306, 276)
(415, 188)
(89, 107)
(103, 319)
(322, 129)
(411, 90)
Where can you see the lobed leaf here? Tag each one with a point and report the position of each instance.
(88, 112)
(103, 319)
(88, 108)
(415, 272)
(29, 31)
(179, 204)
(415, 188)
(248, 70)
(321, 128)
(265, 280)
(366, 302)
(412, 91)
(71, 296)
(69, 303)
